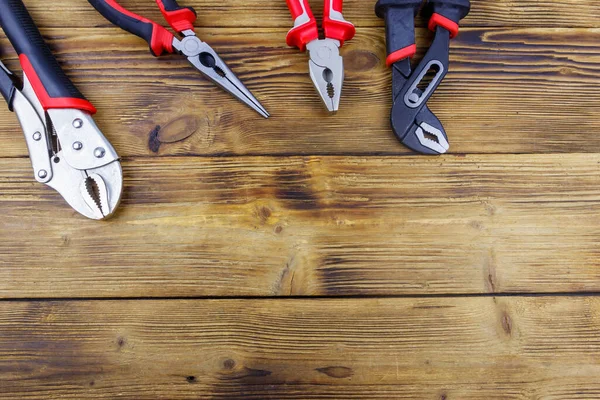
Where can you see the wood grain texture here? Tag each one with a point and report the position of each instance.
(509, 91)
(307, 204)
(327, 226)
(483, 348)
(258, 13)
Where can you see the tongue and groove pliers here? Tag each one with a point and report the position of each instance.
(412, 121)
(67, 150)
(161, 41)
(326, 65)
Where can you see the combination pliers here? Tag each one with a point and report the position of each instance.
(326, 65)
(67, 150)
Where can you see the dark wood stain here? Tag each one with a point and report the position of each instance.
(244, 373)
(336, 372)
(507, 324)
(229, 364)
(153, 142)
(489, 269)
(293, 187)
(360, 61)
(263, 213)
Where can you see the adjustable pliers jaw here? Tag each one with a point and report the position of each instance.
(412, 121)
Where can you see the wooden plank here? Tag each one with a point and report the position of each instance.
(509, 91)
(311, 226)
(257, 13)
(478, 348)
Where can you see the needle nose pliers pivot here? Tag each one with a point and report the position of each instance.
(161, 41)
(326, 65)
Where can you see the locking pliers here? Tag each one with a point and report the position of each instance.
(67, 150)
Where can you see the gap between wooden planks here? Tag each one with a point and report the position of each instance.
(270, 226)
(492, 348)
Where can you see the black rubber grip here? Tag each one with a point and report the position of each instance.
(7, 86)
(454, 10)
(399, 18)
(26, 39)
(129, 23)
(132, 23)
(171, 5)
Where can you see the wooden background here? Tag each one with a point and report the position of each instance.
(311, 256)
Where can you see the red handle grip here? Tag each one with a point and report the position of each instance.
(180, 18)
(305, 28)
(334, 24)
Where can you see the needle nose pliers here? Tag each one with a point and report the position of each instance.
(161, 41)
(412, 121)
(326, 65)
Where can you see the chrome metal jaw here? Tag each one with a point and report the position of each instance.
(432, 138)
(326, 68)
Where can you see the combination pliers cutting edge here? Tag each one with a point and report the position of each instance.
(412, 121)
(161, 41)
(326, 65)
(67, 150)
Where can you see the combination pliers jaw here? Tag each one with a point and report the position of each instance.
(67, 150)
(326, 65)
(412, 120)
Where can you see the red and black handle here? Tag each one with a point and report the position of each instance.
(159, 39)
(334, 24)
(306, 29)
(52, 87)
(180, 18)
(399, 16)
(446, 14)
